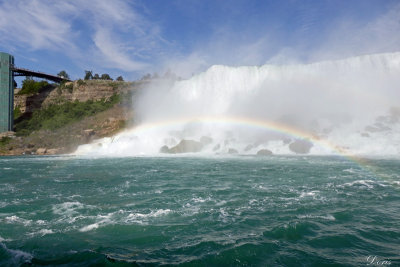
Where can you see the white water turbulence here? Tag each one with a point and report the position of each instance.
(347, 106)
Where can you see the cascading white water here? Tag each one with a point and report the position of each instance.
(353, 104)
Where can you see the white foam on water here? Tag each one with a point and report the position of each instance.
(328, 217)
(309, 194)
(89, 227)
(16, 219)
(70, 208)
(18, 256)
(42, 232)
(3, 239)
(142, 218)
(367, 183)
(46, 231)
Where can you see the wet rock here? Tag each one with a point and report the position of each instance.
(205, 140)
(164, 149)
(301, 146)
(52, 151)
(41, 151)
(217, 147)
(111, 119)
(264, 152)
(7, 134)
(89, 132)
(232, 151)
(248, 147)
(186, 146)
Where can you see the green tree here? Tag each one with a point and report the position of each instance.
(96, 76)
(88, 75)
(105, 76)
(120, 79)
(63, 74)
(30, 86)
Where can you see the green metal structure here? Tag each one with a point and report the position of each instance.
(7, 73)
(6, 92)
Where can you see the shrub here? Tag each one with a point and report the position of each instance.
(30, 86)
(63, 74)
(105, 76)
(5, 140)
(17, 112)
(64, 85)
(80, 82)
(56, 116)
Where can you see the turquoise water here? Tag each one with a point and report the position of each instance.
(239, 211)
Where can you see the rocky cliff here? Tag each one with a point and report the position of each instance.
(65, 139)
(78, 90)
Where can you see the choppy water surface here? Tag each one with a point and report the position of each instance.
(273, 211)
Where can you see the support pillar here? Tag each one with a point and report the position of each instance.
(6, 92)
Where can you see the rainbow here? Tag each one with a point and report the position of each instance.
(260, 124)
(249, 122)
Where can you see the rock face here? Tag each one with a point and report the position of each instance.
(75, 91)
(184, 146)
(52, 151)
(41, 151)
(89, 132)
(264, 152)
(232, 151)
(205, 140)
(301, 146)
(164, 149)
(216, 147)
(248, 148)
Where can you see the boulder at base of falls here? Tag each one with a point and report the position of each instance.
(248, 148)
(301, 146)
(232, 151)
(164, 149)
(184, 146)
(41, 151)
(264, 152)
(205, 140)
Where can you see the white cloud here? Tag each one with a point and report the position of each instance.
(114, 53)
(350, 38)
(107, 34)
(34, 25)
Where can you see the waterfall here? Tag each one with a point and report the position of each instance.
(320, 108)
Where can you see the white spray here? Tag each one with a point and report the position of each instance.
(353, 103)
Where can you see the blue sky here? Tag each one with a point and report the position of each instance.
(135, 37)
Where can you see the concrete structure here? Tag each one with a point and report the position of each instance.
(7, 73)
(6, 92)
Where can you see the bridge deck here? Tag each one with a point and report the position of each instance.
(26, 72)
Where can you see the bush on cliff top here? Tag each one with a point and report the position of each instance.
(30, 86)
(56, 116)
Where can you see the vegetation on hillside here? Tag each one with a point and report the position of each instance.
(4, 140)
(63, 74)
(58, 115)
(17, 112)
(30, 86)
(89, 76)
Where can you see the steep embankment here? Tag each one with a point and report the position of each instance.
(58, 119)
